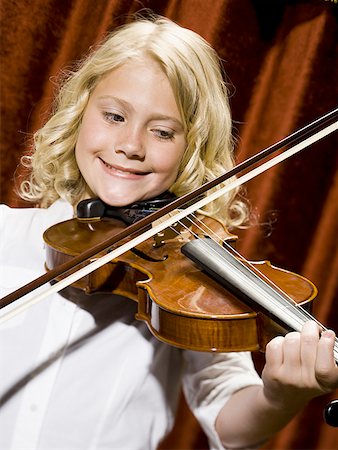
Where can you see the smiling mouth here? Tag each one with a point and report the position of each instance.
(122, 170)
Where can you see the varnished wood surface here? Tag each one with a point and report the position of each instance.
(181, 304)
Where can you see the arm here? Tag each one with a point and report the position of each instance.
(298, 367)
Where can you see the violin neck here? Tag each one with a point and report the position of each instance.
(245, 282)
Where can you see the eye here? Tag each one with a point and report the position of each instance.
(113, 117)
(165, 135)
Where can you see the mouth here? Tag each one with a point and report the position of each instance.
(122, 171)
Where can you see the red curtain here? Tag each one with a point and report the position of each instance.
(280, 57)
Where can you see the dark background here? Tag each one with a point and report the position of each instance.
(281, 59)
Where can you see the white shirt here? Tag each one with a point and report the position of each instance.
(82, 373)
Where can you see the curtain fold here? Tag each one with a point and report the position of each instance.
(281, 63)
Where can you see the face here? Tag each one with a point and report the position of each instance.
(131, 139)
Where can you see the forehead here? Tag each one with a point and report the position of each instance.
(139, 81)
(141, 69)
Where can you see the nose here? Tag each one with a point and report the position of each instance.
(131, 142)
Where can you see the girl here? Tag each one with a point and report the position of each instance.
(147, 112)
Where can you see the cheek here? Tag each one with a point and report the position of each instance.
(173, 163)
(78, 155)
(81, 140)
(170, 171)
(91, 131)
(88, 142)
(84, 149)
(80, 151)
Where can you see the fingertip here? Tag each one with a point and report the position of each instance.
(275, 342)
(328, 334)
(274, 350)
(325, 353)
(311, 326)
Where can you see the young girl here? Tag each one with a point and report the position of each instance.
(147, 112)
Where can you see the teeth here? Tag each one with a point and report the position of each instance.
(111, 167)
(118, 170)
(121, 170)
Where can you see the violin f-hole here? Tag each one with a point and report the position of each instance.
(146, 257)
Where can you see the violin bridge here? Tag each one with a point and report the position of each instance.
(178, 228)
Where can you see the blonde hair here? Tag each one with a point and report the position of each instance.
(195, 74)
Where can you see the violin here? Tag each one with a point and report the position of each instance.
(182, 305)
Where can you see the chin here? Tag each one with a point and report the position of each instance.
(118, 201)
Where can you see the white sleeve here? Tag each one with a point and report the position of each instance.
(210, 379)
(22, 248)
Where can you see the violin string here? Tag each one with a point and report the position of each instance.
(304, 314)
(248, 266)
(276, 308)
(252, 267)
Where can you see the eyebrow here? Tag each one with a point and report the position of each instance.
(116, 99)
(127, 105)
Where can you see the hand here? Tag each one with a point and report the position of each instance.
(300, 366)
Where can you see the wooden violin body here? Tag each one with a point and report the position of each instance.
(181, 304)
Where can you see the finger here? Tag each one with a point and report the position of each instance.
(291, 352)
(309, 340)
(274, 353)
(326, 368)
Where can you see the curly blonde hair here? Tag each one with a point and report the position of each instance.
(195, 74)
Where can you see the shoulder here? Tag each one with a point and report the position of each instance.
(21, 231)
(24, 220)
(60, 209)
